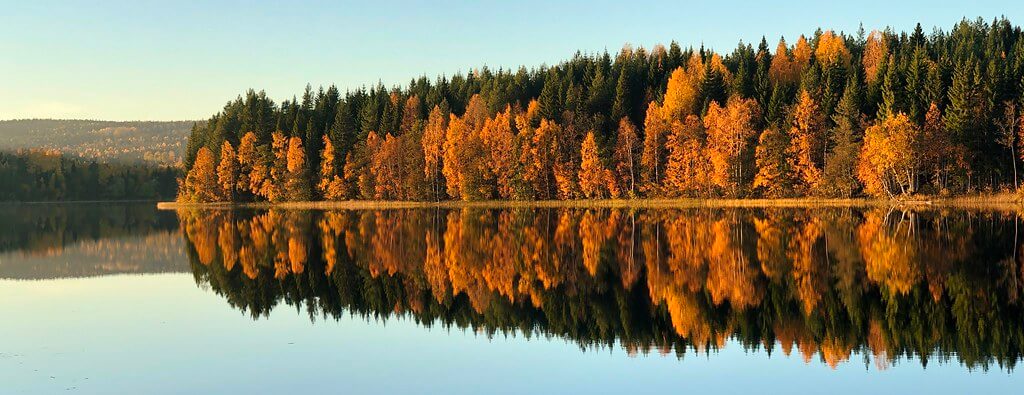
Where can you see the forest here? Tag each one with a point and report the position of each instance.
(154, 142)
(48, 175)
(883, 114)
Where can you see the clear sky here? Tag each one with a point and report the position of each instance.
(156, 60)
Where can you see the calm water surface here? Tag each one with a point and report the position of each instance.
(128, 299)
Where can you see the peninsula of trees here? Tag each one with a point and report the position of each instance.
(882, 114)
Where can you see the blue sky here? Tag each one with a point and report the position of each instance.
(149, 60)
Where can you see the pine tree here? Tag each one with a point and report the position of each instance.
(845, 140)
(774, 178)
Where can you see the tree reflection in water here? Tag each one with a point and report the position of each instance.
(830, 283)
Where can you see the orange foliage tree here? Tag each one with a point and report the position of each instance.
(730, 130)
(252, 168)
(595, 180)
(201, 181)
(433, 143)
(876, 50)
(831, 50)
(652, 158)
(890, 158)
(227, 171)
(330, 186)
(688, 170)
(297, 184)
(808, 142)
(626, 156)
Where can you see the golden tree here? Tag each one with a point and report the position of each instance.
(433, 149)
(801, 56)
(808, 142)
(890, 158)
(876, 50)
(297, 179)
(273, 186)
(652, 158)
(544, 151)
(683, 89)
(831, 50)
(386, 167)
(252, 169)
(593, 175)
(201, 181)
(227, 171)
(688, 170)
(730, 130)
(787, 65)
(497, 137)
(780, 70)
(463, 160)
(626, 156)
(454, 144)
(330, 186)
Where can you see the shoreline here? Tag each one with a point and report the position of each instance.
(994, 202)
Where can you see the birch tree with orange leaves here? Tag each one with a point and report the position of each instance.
(653, 156)
(433, 149)
(688, 169)
(730, 130)
(627, 156)
(808, 142)
(595, 180)
(890, 158)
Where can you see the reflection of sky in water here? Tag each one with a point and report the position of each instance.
(162, 333)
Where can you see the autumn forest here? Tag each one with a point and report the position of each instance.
(881, 114)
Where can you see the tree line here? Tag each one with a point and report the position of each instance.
(882, 114)
(920, 285)
(48, 175)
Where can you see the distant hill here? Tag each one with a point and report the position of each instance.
(105, 141)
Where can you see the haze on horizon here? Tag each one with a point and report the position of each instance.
(123, 60)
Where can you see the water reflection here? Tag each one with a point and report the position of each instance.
(46, 241)
(827, 284)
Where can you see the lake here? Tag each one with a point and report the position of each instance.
(123, 298)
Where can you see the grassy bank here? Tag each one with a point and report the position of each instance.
(993, 201)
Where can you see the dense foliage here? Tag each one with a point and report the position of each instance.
(824, 283)
(46, 175)
(156, 142)
(881, 114)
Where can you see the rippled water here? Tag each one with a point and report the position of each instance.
(125, 298)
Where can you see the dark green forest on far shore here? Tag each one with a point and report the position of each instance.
(47, 175)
